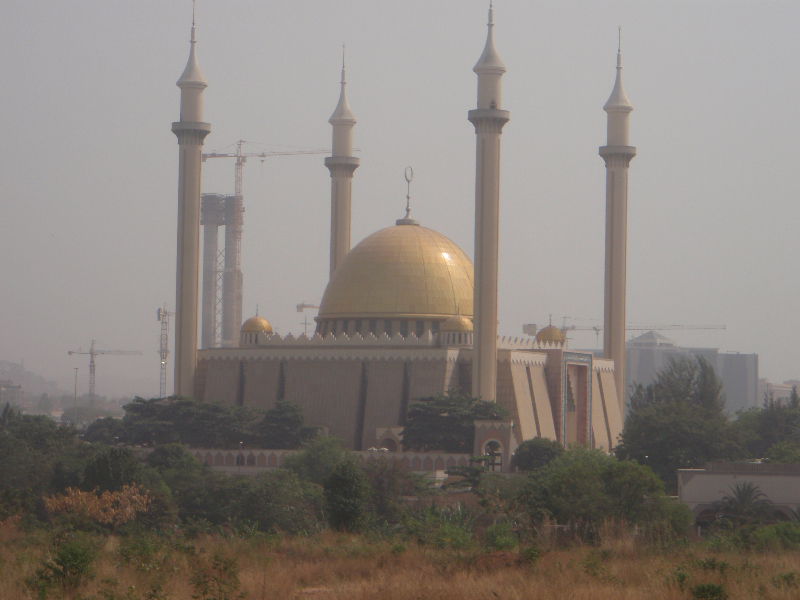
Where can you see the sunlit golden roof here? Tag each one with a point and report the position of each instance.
(398, 272)
(457, 323)
(551, 333)
(256, 325)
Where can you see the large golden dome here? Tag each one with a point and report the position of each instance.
(401, 272)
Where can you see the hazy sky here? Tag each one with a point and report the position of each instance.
(88, 164)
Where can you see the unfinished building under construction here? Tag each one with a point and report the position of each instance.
(222, 270)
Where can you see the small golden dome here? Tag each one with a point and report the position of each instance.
(256, 325)
(402, 272)
(457, 323)
(551, 334)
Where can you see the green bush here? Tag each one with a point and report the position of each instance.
(446, 528)
(499, 536)
(317, 459)
(347, 493)
(454, 536)
(70, 565)
(273, 502)
(708, 591)
(778, 536)
(217, 581)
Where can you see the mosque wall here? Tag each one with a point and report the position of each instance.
(543, 411)
(222, 381)
(608, 390)
(427, 378)
(384, 402)
(526, 419)
(601, 433)
(328, 391)
(261, 383)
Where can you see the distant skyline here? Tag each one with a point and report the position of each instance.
(89, 165)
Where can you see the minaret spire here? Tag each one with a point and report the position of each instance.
(617, 155)
(488, 120)
(341, 164)
(190, 131)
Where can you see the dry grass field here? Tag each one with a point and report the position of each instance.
(332, 566)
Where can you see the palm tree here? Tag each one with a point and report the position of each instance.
(746, 504)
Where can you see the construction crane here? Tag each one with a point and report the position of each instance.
(530, 329)
(225, 308)
(241, 158)
(300, 308)
(92, 353)
(163, 351)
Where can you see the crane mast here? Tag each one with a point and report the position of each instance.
(94, 352)
(163, 350)
(222, 269)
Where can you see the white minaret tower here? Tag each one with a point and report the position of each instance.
(191, 131)
(341, 164)
(617, 155)
(488, 120)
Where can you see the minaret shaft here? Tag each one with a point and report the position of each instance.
(616, 260)
(617, 155)
(488, 120)
(191, 132)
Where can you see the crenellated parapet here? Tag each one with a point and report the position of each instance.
(603, 365)
(525, 343)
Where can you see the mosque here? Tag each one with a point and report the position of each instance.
(406, 314)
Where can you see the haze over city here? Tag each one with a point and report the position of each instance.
(89, 167)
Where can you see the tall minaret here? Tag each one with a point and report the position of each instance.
(191, 131)
(617, 155)
(341, 164)
(488, 120)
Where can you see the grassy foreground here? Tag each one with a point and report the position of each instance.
(333, 565)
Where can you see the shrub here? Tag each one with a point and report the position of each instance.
(217, 581)
(449, 527)
(71, 565)
(317, 459)
(499, 536)
(535, 453)
(347, 492)
(273, 502)
(108, 508)
(112, 470)
(708, 591)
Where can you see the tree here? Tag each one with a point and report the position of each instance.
(535, 453)
(388, 484)
(108, 431)
(347, 493)
(445, 423)
(585, 487)
(745, 504)
(187, 421)
(784, 452)
(112, 470)
(759, 429)
(317, 459)
(677, 422)
(276, 501)
(283, 427)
